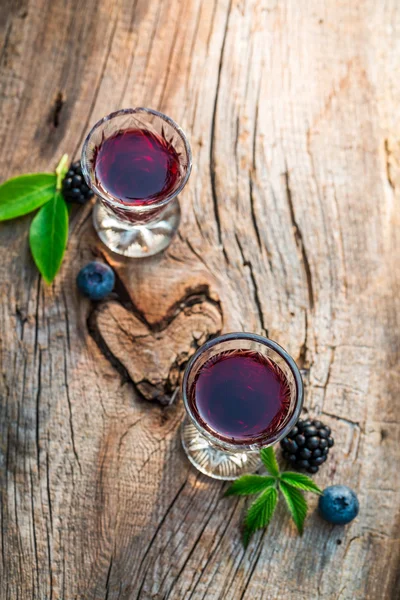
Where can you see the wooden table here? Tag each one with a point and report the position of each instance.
(290, 229)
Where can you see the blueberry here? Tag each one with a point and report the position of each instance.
(96, 280)
(294, 432)
(316, 453)
(338, 505)
(323, 433)
(330, 442)
(317, 424)
(323, 444)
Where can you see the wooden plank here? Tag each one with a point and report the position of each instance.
(289, 229)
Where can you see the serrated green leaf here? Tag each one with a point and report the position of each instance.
(21, 195)
(249, 484)
(300, 481)
(269, 459)
(61, 170)
(260, 513)
(296, 504)
(48, 237)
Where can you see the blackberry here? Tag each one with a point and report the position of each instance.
(307, 445)
(74, 187)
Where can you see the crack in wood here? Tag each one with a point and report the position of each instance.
(167, 68)
(71, 424)
(37, 428)
(300, 242)
(253, 566)
(212, 554)
(282, 258)
(132, 57)
(35, 544)
(3, 53)
(2, 533)
(190, 554)
(253, 161)
(387, 164)
(341, 243)
(197, 254)
(302, 359)
(157, 530)
(48, 490)
(213, 137)
(253, 217)
(343, 419)
(108, 578)
(35, 346)
(66, 316)
(98, 85)
(49, 562)
(59, 103)
(257, 299)
(208, 510)
(104, 349)
(328, 377)
(22, 319)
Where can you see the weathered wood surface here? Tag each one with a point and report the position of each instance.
(290, 227)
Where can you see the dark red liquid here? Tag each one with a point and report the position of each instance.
(241, 396)
(137, 167)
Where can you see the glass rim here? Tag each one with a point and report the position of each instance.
(239, 447)
(109, 198)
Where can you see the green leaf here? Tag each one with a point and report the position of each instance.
(300, 481)
(61, 170)
(249, 484)
(260, 513)
(296, 504)
(21, 195)
(269, 459)
(48, 237)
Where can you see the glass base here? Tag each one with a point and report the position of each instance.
(137, 241)
(212, 461)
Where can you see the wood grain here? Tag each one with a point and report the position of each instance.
(290, 228)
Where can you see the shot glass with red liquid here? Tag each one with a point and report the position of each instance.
(242, 392)
(136, 161)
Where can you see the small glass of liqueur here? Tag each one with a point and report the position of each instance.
(242, 392)
(136, 161)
